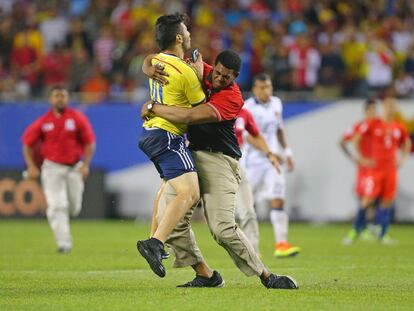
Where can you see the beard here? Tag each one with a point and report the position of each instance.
(187, 45)
(60, 108)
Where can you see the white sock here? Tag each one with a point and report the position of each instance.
(280, 223)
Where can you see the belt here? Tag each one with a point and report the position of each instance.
(65, 164)
(209, 149)
(70, 165)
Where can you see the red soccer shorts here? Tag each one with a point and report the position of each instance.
(361, 176)
(380, 184)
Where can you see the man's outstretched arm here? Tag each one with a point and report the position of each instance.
(203, 113)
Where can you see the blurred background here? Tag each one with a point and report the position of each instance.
(324, 56)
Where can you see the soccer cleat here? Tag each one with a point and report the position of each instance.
(284, 249)
(387, 240)
(368, 236)
(151, 250)
(64, 250)
(201, 281)
(279, 282)
(350, 238)
(374, 229)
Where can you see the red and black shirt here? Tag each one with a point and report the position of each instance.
(218, 137)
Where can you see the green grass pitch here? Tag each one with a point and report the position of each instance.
(105, 271)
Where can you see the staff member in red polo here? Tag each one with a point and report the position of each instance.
(66, 136)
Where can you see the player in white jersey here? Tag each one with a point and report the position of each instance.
(267, 184)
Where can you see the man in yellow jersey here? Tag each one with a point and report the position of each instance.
(163, 141)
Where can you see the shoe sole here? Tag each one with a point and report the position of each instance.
(221, 285)
(157, 267)
(293, 254)
(286, 283)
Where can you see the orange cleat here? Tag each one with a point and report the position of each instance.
(284, 249)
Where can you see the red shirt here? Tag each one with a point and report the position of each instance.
(386, 139)
(364, 143)
(244, 122)
(227, 102)
(55, 66)
(218, 136)
(22, 57)
(63, 137)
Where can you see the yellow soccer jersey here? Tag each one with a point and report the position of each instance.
(183, 90)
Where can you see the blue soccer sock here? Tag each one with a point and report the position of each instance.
(384, 216)
(377, 218)
(360, 220)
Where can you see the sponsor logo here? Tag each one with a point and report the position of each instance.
(47, 127)
(23, 197)
(70, 125)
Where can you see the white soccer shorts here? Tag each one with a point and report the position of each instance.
(266, 182)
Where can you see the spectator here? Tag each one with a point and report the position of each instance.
(115, 35)
(305, 62)
(7, 83)
(117, 87)
(103, 49)
(54, 29)
(95, 89)
(277, 65)
(408, 64)
(404, 85)
(402, 37)
(79, 7)
(25, 63)
(239, 43)
(78, 37)
(380, 60)
(80, 69)
(353, 50)
(6, 38)
(30, 36)
(332, 65)
(55, 67)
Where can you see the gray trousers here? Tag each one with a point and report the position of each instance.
(219, 178)
(247, 214)
(63, 187)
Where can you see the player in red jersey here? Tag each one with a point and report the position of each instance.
(386, 138)
(66, 137)
(370, 113)
(245, 128)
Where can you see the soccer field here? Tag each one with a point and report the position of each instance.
(105, 271)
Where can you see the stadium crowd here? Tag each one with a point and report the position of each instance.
(331, 48)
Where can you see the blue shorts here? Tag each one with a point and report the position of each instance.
(167, 151)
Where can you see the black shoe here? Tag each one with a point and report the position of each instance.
(164, 254)
(64, 250)
(151, 250)
(202, 281)
(280, 282)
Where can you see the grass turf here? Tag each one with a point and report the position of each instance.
(105, 271)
